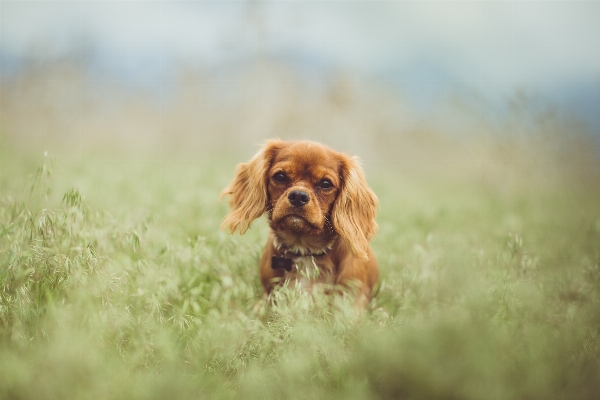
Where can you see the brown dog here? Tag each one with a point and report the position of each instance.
(320, 210)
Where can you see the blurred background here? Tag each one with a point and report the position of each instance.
(418, 85)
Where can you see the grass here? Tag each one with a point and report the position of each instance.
(115, 282)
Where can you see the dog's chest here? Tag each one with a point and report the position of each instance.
(307, 271)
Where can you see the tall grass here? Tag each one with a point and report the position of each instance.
(116, 282)
(107, 295)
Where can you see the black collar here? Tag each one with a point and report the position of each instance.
(286, 257)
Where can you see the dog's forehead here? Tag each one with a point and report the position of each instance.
(308, 157)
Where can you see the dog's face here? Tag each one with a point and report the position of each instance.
(303, 182)
(306, 189)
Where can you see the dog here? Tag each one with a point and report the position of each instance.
(320, 211)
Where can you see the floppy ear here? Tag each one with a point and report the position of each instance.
(248, 190)
(354, 210)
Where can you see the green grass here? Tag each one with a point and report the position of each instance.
(116, 282)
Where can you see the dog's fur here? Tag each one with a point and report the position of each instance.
(320, 210)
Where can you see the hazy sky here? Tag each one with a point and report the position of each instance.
(493, 47)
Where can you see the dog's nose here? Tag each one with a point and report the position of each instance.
(298, 198)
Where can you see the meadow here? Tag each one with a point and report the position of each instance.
(117, 283)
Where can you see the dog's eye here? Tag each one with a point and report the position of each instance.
(325, 184)
(279, 177)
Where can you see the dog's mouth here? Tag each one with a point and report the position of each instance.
(296, 223)
(297, 220)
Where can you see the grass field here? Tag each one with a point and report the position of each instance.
(116, 282)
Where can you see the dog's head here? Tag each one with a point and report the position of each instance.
(307, 189)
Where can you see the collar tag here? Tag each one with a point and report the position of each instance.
(281, 262)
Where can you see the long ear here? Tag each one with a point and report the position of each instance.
(355, 208)
(248, 190)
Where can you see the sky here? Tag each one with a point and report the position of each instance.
(427, 47)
